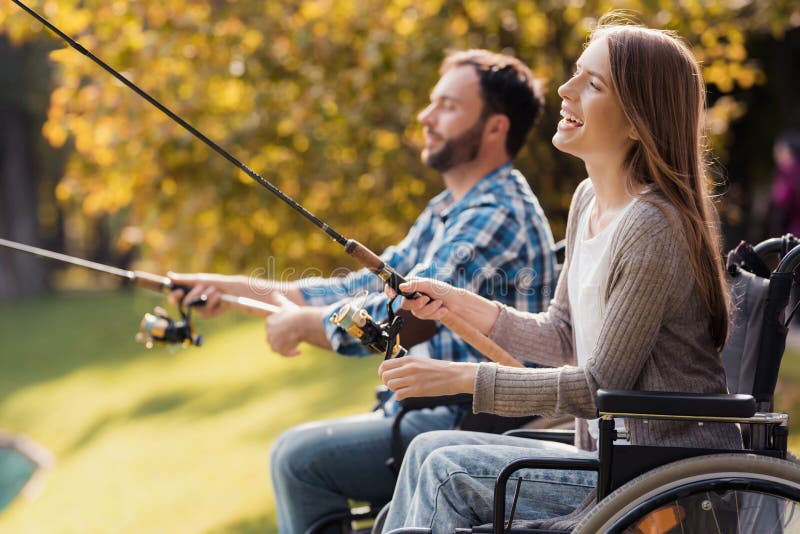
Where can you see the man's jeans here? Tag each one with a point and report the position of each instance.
(447, 481)
(317, 466)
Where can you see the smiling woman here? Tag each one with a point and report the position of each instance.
(594, 127)
(624, 315)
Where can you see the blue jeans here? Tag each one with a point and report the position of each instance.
(317, 467)
(447, 481)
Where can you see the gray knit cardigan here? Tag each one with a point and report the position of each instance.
(654, 337)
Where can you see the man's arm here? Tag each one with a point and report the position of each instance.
(212, 286)
(477, 244)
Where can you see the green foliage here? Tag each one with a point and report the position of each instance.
(319, 97)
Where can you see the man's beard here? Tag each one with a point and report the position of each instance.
(462, 149)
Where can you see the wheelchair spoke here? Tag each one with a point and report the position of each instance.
(714, 513)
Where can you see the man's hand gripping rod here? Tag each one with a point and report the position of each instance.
(159, 329)
(365, 256)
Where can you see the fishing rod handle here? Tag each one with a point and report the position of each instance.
(459, 326)
(477, 339)
(374, 263)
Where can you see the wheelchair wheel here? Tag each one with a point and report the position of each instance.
(721, 493)
(380, 519)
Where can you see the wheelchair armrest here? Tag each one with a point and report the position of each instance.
(417, 403)
(559, 435)
(677, 404)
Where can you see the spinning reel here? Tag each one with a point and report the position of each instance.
(380, 337)
(159, 329)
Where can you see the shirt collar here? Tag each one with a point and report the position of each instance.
(444, 205)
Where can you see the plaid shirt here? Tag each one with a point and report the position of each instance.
(495, 242)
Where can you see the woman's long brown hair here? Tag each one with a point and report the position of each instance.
(662, 93)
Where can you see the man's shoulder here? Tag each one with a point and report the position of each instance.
(511, 189)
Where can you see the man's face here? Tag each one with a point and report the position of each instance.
(452, 122)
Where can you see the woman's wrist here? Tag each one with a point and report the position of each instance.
(466, 376)
(481, 312)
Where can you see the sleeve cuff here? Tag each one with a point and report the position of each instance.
(483, 400)
(502, 327)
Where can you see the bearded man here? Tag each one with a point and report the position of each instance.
(485, 232)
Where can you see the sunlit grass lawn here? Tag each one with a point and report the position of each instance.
(154, 441)
(787, 395)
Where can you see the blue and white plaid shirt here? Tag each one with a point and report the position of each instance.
(495, 241)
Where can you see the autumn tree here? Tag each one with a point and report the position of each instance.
(319, 97)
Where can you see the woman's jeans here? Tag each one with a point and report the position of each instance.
(447, 481)
(317, 467)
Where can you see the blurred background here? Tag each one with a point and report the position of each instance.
(320, 97)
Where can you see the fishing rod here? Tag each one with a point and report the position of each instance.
(159, 329)
(359, 252)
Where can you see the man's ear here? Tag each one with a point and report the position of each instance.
(497, 124)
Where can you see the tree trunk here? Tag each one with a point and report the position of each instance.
(23, 101)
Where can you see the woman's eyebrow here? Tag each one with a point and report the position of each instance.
(593, 73)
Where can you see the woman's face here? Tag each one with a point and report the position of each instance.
(593, 126)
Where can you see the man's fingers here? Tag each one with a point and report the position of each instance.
(214, 299)
(284, 301)
(175, 296)
(194, 294)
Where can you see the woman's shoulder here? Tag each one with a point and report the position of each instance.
(651, 224)
(583, 194)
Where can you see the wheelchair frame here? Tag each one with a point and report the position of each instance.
(770, 431)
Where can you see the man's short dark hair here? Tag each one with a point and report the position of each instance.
(507, 86)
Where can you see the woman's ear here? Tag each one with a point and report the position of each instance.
(633, 134)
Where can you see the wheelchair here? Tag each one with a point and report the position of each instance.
(677, 490)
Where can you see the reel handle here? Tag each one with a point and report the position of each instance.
(462, 328)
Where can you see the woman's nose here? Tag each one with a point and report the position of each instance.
(566, 91)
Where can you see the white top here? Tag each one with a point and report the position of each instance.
(586, 284)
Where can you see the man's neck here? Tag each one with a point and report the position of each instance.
(459, 180)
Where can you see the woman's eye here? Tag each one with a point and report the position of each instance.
(594, 86)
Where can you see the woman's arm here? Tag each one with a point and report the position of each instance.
(647, 274)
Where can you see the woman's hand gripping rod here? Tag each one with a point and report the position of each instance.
(466, 331)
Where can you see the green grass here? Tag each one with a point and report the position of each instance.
(787, 395)
(173, 442)
(156, 441)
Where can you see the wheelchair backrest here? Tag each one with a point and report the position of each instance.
(752, 355)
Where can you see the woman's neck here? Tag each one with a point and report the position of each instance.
(611, 196)
(611, 193)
